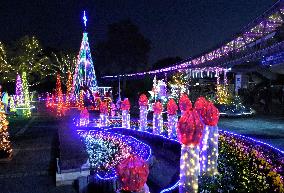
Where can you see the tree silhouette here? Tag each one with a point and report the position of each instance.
(166, 62)
(125, 50)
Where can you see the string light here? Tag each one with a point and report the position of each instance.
(125, 107)
(133, 173)
(107, 149)
(26, 106)
(157, 118)
(5, 144)
(172, 118)
(12, 104)
(224, 96)
(212, 151)
(204, 150)
(143, 106)
(70, 89)
(84, 72)
(19, 91)
(59, 97)
(104, 118)
(189, 169)
(184, 104)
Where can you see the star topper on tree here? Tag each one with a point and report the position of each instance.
(85, 20)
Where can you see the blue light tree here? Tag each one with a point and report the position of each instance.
(85, 73)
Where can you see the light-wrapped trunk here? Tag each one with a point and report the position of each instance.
(212, 150)
(125, 119)
(143, 118)
(189, 169)
(172, 126)
(157, 124)
(203, 156)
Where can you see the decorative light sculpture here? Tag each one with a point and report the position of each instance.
(125, 107)
(184, 103)
(224, 96)
(80, 100)
(157, 118)
(189, 134)
(19, 92)
(104, 114)
(27, 110)
(85, 72)
(12, 104)
(5, 144)
(133, 173)
(69, 92)
(201, 107)
(143, 104)
(59, 96)
(172, 118)
(211, 119)
(209, 144)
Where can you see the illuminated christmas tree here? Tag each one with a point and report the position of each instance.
(80, 101)
(26, 90)
(85, 73)
(5, 144)
(27, 110)
(59, 96)
(69, 90)
(19, 91)
(178, 85)
(223, 95)
(12, 104)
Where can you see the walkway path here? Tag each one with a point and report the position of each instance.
(269, 129)
(32, 169)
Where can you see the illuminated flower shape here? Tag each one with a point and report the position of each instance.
(103, 108)
(143, 100)
(158, 108)
(172, 107)
(184, 103)
(200, 105)
(125, 105)
(133, 173)
(211, 116)
(190, 127)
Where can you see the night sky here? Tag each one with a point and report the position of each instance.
(175, 27)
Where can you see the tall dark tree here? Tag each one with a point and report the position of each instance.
(125, 50)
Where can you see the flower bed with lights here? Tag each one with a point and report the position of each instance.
(243, 163)
(246, 165)
(106, 150)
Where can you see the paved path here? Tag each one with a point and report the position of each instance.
(32, 169)
(269, 129)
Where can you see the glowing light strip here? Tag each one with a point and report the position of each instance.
(224, 50)
(220, 130)
(109, 178)
(32, 107)
(171, 187)
(169, 69)
(254, 140)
